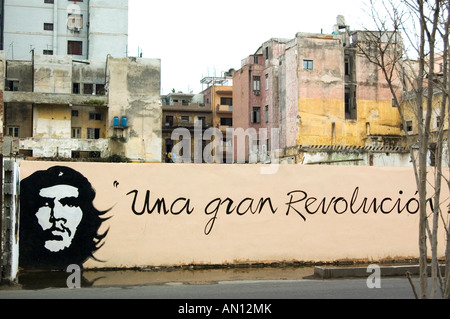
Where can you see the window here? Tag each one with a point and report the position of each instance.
(12, 85)
(393, 103)
(93, 133)
(267, 113)
(95, 116)
(308, 65)
(100, 89)
(267, 82)
(256, 85)
(351, 112)
(47, 52)
(347, 67)
(13, 131)
(76, 88)
(256, 115)
(88, 88)
(409, 126)
(226, 121)
(86, 154)
(75, 47)
(226, 101)
(74, 113)
(169, 120)
(76, 132)
(438, 122)
(255, 59)
(267, 53)
(48, 26)
(185, 119)
(48, 1)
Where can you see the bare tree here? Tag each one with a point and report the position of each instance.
(424, 24)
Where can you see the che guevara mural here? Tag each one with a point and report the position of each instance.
(59, 225)
(105, 215)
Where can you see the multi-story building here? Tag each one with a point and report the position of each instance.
(183, 113)
(59, 107)
(70, 89)
(318, 91)
(86, 30)
(219, 98)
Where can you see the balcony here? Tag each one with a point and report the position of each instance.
(224, 109)
(53, 98)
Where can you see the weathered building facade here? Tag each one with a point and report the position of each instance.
(56, 106)
(219, 98)
(183, 114)
(317, 90)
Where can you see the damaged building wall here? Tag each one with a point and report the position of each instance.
(321, 89)
(289, 117)
(52, 74)
(59, 107)
(52, 121)
(342, 98)
(134, 94)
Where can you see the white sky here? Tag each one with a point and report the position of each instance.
(198, 38)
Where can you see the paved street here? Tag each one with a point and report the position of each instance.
(391, 288)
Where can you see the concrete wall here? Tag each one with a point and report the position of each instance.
(233, 214)
(53, 74)
(10, 230)
(63, 148)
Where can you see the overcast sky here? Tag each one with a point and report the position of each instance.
(201, 38)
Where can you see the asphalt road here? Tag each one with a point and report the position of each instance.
(391, 288)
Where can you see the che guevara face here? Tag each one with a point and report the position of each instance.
(59, 215)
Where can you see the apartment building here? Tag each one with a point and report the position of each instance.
(70, 89)
(219, 98)
(86, 30)
(319, 92)
(183, 113)
(61, 108)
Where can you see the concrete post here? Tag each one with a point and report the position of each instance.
(10, 253)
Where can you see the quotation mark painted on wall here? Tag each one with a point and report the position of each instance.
(374, 280)
(74, 280)
(116, 184)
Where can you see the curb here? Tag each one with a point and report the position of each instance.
(351, 272)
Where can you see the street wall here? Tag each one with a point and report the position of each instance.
(182, 214)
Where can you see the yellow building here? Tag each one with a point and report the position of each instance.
(219, 98)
